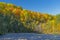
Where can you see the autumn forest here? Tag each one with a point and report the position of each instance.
(15, 19)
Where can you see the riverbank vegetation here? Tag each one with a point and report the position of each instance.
(15, 19)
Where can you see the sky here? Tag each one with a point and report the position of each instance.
(43, 6)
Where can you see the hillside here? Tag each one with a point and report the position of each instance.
(15, 19)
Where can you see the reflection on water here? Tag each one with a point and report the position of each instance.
(29, 36)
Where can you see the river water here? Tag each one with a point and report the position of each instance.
(29, 36)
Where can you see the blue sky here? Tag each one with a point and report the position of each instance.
(44, 6)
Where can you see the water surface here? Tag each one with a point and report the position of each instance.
(29, 36)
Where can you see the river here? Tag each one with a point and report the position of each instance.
(29, 36)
